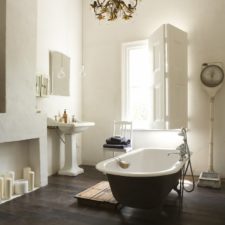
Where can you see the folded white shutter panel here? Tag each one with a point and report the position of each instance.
(157, 55)
(176, 79)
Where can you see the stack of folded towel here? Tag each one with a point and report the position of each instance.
(117, 142)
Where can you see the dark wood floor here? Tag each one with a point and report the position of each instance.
(56, 205)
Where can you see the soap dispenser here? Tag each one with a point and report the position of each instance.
(65, 116)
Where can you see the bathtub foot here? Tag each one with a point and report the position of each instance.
(180, 199)
(119, 207)
(178, 191)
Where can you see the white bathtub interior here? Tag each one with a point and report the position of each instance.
(144, 162)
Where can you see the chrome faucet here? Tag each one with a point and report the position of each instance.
(183, 133)
(183, 148)
(182, 152)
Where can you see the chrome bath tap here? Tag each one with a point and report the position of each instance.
(182, 152)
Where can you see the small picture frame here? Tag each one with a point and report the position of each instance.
(38, 86)
(44, 86)
(41, 86)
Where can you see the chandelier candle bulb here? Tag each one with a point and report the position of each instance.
(31, 180)
(1, 188)
(26, 171)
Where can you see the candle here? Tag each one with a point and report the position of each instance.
(11, 174)
(26, 171)
(8, 188)
(31, 180)
(21, 186)
(1, 188)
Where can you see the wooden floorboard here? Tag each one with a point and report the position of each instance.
(55, 205)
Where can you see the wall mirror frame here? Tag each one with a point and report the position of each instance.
(59, 69)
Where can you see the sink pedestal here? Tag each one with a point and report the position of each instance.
(71, 167)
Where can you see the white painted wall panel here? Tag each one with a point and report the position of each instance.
(21, 122)
(203, 20)
(59, 28)
(2, 54)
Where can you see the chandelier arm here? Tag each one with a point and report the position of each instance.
(102, 3)
(97, 13)
(126, 15)
(129, 7)
(99, 5)
(108, 3)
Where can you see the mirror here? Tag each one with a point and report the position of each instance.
(59, 73)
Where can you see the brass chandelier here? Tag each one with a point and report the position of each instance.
(112, 9)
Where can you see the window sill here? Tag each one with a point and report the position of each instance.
(155, 130)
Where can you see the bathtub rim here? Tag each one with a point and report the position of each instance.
(101, 166)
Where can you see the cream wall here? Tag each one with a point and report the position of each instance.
(22, 130)
(203, 20)
(2, 54)
(33, 29)
(59, 28)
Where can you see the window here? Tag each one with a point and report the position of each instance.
(137, 85)
(154, 80)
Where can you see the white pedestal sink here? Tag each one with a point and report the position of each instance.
(70, 130)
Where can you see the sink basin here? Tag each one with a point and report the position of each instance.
(70, 128)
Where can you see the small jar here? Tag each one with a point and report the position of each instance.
(73, 119)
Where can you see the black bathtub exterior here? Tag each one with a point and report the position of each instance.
(142, 192)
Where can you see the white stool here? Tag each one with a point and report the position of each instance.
(121, 129)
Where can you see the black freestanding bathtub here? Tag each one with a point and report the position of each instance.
(151, 175)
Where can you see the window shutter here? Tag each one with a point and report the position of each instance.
(157, 55)
(176, 79)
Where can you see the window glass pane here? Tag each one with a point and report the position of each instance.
(141, 107)
(138, 91)
(139, 67)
